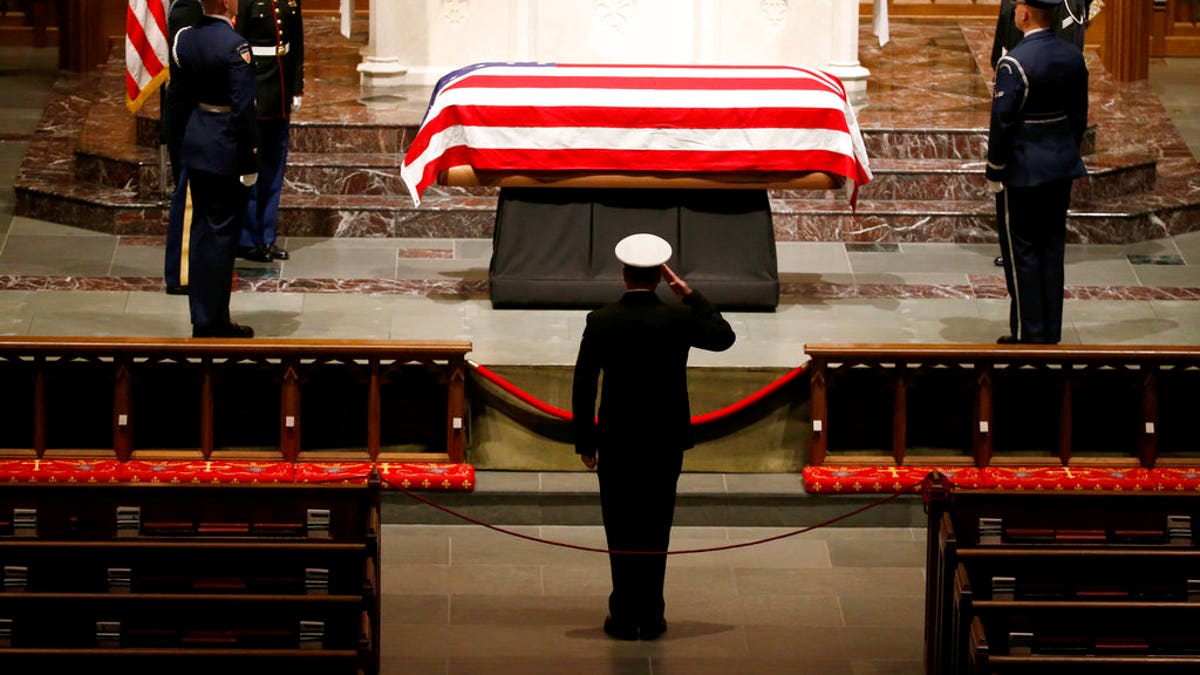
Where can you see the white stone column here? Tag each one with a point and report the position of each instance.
(843, 60)
(381, 66)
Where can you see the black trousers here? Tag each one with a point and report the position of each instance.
(1032, 222)
(218, 207)
(637, 498)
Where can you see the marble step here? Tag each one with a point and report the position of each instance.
(390, 132)
(1112, 174)
(456, 213)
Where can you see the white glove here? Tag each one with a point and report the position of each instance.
(995, 186)
(249, 179)
(295, 103)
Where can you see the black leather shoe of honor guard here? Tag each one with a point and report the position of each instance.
(1006, 340)
(277, 253)
(231, 330)
(256, 253)
(177, 290)
(620, 631)
(998, 261)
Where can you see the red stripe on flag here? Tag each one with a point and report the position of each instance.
(141, 44)
(668, 161)
(628, 118)
(653, 83)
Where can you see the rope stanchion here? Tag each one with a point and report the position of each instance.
(697, 420)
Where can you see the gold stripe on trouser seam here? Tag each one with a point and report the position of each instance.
(187, 235)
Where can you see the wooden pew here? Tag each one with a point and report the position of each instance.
(155, 578)
(985, 405)
(1031, 582)
(261, 399)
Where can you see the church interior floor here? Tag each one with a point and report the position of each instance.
(461, 599)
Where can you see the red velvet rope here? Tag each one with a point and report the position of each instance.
(919, 487)
(697, 420)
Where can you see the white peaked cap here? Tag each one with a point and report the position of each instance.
(643, 250)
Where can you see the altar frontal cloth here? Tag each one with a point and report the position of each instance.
(680, 120)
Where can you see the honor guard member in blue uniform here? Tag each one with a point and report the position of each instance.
(179, 106)
(1070, 23)
(636, 444)
(1039, 114)
(220, 155)
(275, 31)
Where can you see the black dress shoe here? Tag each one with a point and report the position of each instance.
(1006, 340)
(277, 253)
(655, 631)
(620, 631)
(998, 261)
(177, 290)
(229, 330)
(258, 253)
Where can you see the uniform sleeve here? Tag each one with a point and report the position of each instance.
(583, 392)
(1007, 100)
(245, 115)
(710, 330)
(1077, 109)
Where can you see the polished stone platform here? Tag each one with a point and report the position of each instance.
(924, 121)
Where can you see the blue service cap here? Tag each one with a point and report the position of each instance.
(1042, 4)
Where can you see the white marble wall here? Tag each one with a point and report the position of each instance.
(417, 41)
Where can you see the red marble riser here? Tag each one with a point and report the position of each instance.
(966, 144)
(972, 225)
(310, 137)
(357, 174)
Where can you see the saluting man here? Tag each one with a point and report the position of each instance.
(1039, 114)
(220, 156)
(275, 31)
(637, 441)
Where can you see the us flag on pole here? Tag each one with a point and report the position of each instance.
(633, 118)
(145, 50)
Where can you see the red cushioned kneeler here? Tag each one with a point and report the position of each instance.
(213, 472)
(60, 470)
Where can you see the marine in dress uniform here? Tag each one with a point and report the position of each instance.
(641, 345)
(179, 106)
(275, 31)
(220, 156)
(1039, 114)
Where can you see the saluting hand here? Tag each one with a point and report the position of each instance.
(675, 282)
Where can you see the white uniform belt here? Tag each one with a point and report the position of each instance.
(208, 107)
(270, 50)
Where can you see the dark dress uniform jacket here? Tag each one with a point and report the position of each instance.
(222, 133)
(641, 344)
(273, 27)
(1039, 113)
(183, 14)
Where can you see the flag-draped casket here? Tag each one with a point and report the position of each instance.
(740, 124)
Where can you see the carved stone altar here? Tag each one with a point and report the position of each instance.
(418, 42)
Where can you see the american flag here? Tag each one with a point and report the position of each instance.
(621, 118)
(145, 50)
